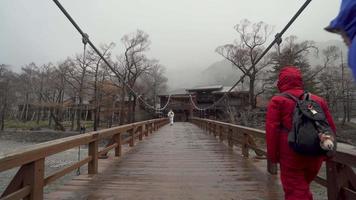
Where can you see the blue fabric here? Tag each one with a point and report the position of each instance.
(346, 22)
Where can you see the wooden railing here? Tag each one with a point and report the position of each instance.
(30, 179)
(340, 178)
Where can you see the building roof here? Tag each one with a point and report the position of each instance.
(176, 92)
(216, 89)
(206, 88)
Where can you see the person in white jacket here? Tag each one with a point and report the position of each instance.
(171, 117)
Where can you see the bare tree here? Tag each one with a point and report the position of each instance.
(7, 96)
(153, 82)
(245, 51)
(131, 65)
(100, 72)
(77, 77)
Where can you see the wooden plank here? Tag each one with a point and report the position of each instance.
(93, 153)
(19, 194)
(156, 169)
(349, 194)
(107, 149)
(132, 137)
(17, 182)
(46, 149)
(140, 136)
(344, 157)
(332, 180)
(66, 170)
(117, 139)
(42, 150)
(35, 179)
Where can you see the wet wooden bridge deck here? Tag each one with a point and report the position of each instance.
(177, 162)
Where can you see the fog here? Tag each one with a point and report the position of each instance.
(184, 33)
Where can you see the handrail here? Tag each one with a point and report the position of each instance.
(30, 181)
(340, 177)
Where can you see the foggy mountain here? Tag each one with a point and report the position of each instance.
(219, 73)
(223, 73)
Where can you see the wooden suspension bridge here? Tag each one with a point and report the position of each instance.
(200, 159)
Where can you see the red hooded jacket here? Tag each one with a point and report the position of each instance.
(279, 114)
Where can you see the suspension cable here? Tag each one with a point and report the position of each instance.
(85, 40)
(154, 108)
(277, 40)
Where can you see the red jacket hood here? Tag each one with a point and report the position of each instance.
(289, 78)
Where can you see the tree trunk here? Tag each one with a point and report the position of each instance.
(24, 106)
(122, 107)
(79, 115)
(133, 109)
(50, 118)
(112, 113)
(96, 121)
(3, 118)
(58, 125)
(3, 112)
(73, 114)
(252, 92)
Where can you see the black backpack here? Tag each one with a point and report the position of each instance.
(308, 121)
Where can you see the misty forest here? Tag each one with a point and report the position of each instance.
(81, 90)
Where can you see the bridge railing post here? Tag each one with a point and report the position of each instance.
(145, 126)
(117, 140)
(140, 135)
(93, 152)
(38, 179)
(245, 147)
(214, 130)
(35, 179)
(333, 182)
(221, 130)
(229, 138)
(272, 167)
(132, 136)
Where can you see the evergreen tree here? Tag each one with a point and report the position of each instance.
(293, 53)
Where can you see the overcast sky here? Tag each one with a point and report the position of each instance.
(184, 33)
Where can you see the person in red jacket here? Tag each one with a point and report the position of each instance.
(296, 171)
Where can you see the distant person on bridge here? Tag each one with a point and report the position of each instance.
(345, 25)
(171, 117)
(296, 171)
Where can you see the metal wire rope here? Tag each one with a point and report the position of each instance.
(85, 40)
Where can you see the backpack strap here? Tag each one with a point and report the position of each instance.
(289, 96)
(306, 95)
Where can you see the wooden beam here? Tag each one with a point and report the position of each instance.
(66, 170)
(35, 178)
(93, 153)
(19, 194)
(117, 139)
